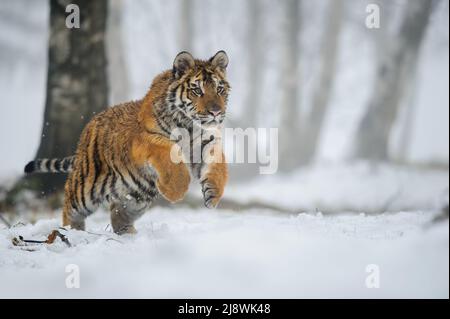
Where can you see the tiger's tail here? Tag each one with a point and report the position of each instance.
(50, 165)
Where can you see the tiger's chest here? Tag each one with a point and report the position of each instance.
(138, 186)
(198, 148)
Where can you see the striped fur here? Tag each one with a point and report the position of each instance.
(123, 156)
(54, 165)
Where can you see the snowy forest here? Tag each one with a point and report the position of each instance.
(357, 203)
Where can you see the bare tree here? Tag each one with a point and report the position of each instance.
(186, 30)
(383, 34)
(255, 56)
(117, 66)
(409, 102)
(391, 81)
(311, 129)
(77, 85)
(289, 122)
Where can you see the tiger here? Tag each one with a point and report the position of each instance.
(124, 157)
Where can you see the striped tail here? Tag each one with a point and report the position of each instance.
(53, 165)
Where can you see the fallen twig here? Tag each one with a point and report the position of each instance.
(54, 234)
(109, 238)
(113, 239)
(18, 224)
(242, 207)
(20, 241)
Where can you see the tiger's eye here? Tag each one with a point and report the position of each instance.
(197, 91)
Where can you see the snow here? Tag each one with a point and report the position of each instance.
(358, 186)
(182, 252)
(186, 253)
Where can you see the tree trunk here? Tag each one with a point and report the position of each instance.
(77, 85)
(392, 75)
(117, 66)
(255, 63)
(186, 25)
(409, 101)
(382, 35)
(289, 123)
(311, 129)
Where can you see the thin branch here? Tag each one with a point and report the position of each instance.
(5, 221)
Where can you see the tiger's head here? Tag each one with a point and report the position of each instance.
(200, 89)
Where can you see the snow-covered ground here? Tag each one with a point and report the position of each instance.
(183, 252)
(200, 253)
(355, 186)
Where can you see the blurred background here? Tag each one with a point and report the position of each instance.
(362, 112)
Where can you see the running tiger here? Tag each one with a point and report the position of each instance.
(123, 159)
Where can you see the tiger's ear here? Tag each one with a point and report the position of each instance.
(183, 62)
(220, 59)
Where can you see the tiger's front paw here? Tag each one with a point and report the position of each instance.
(174, 184)
(212, 193)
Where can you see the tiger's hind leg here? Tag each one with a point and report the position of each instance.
(124, 214)
(77, 206)
(73, 216)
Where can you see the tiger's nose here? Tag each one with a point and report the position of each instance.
(214, 110)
